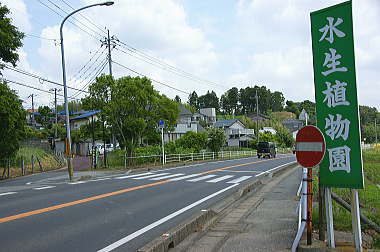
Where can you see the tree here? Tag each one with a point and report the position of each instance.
(177, 99)
(12, 121)
(45, 114)
(292, 107)
(135, 108)
(10, 38)
(193, 100)
(193, 140)
(73, 106)
(209, 100)
(229, 101)
(216, 139)
(277, 103)
(283, 137)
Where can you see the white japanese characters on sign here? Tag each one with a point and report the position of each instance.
(331, 29)
(340, 159)
(335, 95)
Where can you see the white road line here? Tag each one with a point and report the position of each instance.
(99, 179)
(241, 171)
(201, 178)
(43, 188)
(132, 176)
(7, 193)
(75, 183)
(220, 179)
(160, 221)
(275, 168)
(239, 179)
(185, 177)
(152, 176)
(168, 176)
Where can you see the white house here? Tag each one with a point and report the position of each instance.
(186, 122)
(268, 129)
(237, 135)
(77, 121)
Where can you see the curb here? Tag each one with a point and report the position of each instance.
(202, 220)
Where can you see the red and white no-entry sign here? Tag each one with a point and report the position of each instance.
(310, 146)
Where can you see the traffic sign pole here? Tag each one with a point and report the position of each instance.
(309, 205)
(310, 150)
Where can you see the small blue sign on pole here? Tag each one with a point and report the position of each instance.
(161, 123)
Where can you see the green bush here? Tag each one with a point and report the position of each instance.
(193, 140)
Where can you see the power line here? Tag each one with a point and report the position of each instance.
(60, 8)
(39, 77)
(90, 66)
(161, 62)
(36, 36)
(87, 62)
(161, 66)
(35, 88)
(95, 69)
(159, 82)
(80, 14)
(47, 6)
(100, 69)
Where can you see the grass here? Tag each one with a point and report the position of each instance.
(48, 161)
(369, 197)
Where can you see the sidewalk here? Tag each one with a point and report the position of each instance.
(264, 221)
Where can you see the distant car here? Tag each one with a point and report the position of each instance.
(266, 149)
(109, 147)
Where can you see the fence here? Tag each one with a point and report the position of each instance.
(124, 161)
(29, 164)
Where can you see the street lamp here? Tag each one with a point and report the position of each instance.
(68, 135)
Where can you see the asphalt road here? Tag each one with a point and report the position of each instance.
(115, 212)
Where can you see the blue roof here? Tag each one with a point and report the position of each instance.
(225, 123)
(85, 115)
(63, 112)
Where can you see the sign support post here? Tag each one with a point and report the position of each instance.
(356, 219)
(162, 125)
(329, 218)
(309, 205)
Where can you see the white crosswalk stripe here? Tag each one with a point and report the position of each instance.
(220, 179)
(168, 176)
(152, 176)
(7, 193)
(43, 188)
(186, 177)
(132, 176)
(201, 178)
(238, 180)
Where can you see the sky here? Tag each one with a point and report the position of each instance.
(187, 45)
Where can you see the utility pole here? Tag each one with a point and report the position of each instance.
(107, 42)
(375, 129)
(32, 118)
(257, 117)
(56, 112)
(109, 52)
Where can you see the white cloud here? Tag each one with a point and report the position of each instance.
(19, 14)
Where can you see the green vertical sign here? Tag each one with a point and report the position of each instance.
(336, 96)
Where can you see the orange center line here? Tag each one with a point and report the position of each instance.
(101, 196)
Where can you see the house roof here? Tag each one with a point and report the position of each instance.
(184, 111)
(81, 112)
(85, 115)
(254, 115)
(225, 123)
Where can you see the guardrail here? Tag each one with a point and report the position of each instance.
(190, 157)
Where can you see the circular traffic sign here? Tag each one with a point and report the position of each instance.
(310, 146)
